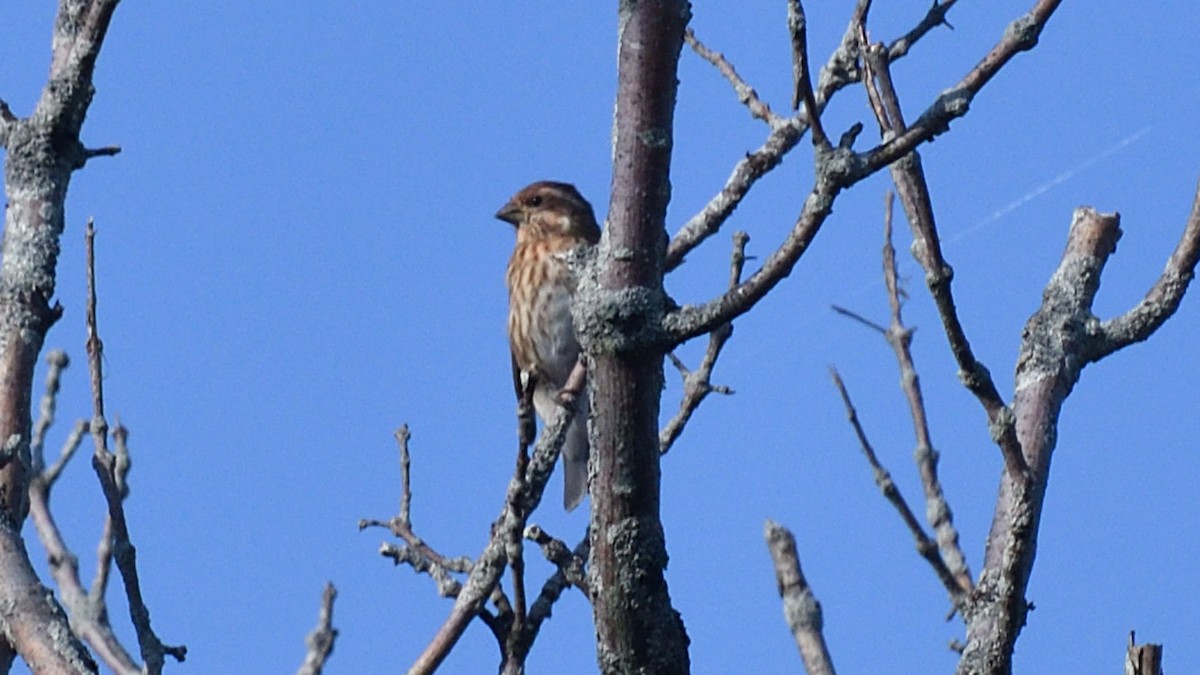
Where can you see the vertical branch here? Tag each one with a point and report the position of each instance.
(41, 153)
(800, 606)
(320, 640)
(1143, 659)
(112, 470)
(1050, 362)
(619, 307)
(937, 509)
(802, 89)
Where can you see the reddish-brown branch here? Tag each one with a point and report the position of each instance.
(619, 305)
(909, 178)
(745, 93)
(1049, 365)
(802, 90)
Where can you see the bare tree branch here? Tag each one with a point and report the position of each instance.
(571, 572)
(934, 18)
(745, 93)
(841, 168)
(1162, 299)
(320, 640)
(800, 606)
(925, 546)
(801, 78)
(1053, 344)
(571, 563)
(909, 178)
(840, 71)
(937, 509)
(697, 384)
(112, 470)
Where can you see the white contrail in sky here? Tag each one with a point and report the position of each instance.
(1032, 194)
(1051, 184)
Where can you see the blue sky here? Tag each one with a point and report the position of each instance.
(297, 253)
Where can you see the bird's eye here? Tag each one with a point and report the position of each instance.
(535, 200)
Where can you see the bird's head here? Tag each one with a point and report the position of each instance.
(550, 209)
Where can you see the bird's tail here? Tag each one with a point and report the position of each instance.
(575, 460)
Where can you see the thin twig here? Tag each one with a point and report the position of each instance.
(925, 546)
(57, 361)
(697, 385)
(745, 93)
(851, 314)
(909, 178)
(112, 470)
(74, 439)
(934, 18)
(402, 435)
(802, 89)
(937, 508)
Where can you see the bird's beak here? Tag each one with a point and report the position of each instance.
(510, 213)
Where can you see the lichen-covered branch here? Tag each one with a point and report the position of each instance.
(618, 309)
(840, 71)
(320, 640)
(1049, 365)
(1161, 300)
(841, 168)
(800, 606)
(41, 152)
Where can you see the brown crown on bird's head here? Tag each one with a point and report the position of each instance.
(548, 208)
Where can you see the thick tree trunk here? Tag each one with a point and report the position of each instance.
(621, 306)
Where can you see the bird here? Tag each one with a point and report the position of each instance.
(551, 220)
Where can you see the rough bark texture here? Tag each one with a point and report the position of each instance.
(621, 303)
(42, 151)
(1052, 356)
